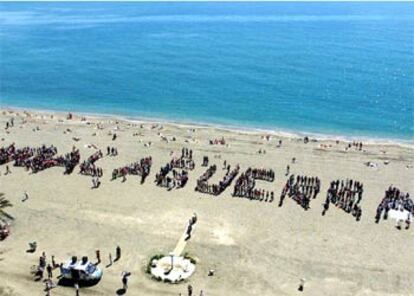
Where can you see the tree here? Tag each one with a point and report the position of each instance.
(4, 203)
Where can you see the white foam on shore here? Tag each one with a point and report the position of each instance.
(276, 132)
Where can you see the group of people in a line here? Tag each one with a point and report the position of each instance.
(396, 200)
(69, 161)
(355, 145)
(18, 155)
(178, 180)
(40, 158)
(185, 161)
(301, 189)
(245, 185)
(345, 195)
(44, 159)
(89, 168)
(140, 168)
(179, 166)
(216, 189)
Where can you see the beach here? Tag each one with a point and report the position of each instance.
(255, 248)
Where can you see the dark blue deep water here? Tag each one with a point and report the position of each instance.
(330, 68)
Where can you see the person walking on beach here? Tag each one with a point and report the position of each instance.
(190, 290)
(287, 170)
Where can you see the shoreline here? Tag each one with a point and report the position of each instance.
(296, 135)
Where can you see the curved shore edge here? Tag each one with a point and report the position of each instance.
(283, 133)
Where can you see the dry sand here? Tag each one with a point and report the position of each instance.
(255, 247)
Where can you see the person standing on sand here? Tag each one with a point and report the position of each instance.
(190, 290)
(118, 253)
(54, 264)
(49, 271)
(98, 256)
(110, 260)
(125, 276)
(8, 171)
(49, 286)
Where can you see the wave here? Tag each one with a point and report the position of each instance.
(26, 18)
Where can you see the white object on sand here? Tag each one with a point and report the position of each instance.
(181, 268)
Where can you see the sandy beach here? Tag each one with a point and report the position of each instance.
(255, 248)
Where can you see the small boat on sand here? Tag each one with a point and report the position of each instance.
(84, 272)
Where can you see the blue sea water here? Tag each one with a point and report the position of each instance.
(330, 68)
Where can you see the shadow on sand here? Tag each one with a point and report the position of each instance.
(82, 284)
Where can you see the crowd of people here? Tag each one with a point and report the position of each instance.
(140, 168)
(245, 184)
(178, 180)
(185, 161)
(69, 160)
(216, 189)
(301, 189)
(179, 167)
(42, 267)
(345, 195)
(11, 153)
(396, 200)
(40, 158)
(219, 141)
(89, 168)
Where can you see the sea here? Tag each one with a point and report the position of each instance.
(323, 68)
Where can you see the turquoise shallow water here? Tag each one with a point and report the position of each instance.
(329, 68)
